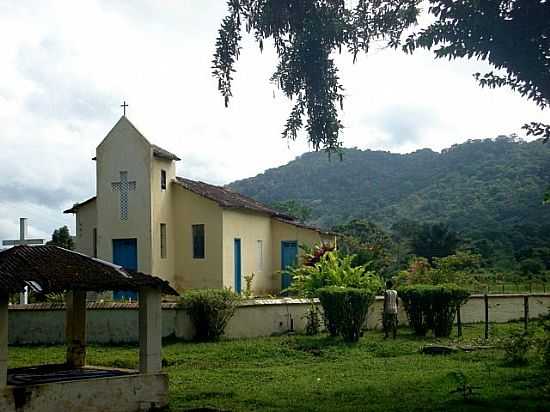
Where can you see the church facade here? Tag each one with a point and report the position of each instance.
(191, 233)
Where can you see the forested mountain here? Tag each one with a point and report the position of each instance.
(488, 190)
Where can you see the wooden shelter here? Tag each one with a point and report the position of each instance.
(74, 385)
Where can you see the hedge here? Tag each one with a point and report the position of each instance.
(432, 307)
(345, 310)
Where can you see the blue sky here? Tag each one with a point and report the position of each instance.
(66, 66)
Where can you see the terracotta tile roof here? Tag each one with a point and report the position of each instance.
(163, 153)
(306, 226)
(77, 206)
(47, 269)
(227, 198)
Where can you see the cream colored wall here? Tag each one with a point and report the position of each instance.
(190, 209)
(286, 232)
(249, 227)
(162, 212)
(86, 221)
(124, 149)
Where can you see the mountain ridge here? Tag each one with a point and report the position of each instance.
(483, 185)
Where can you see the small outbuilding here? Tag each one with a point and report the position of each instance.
(74, 385)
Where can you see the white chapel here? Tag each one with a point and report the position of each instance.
(191, 233)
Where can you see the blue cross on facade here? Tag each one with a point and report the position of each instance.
(124, 187)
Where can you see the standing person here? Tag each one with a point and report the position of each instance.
(389, 317)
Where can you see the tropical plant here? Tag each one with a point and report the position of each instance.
(209, 310)
(311, 256)
(332, 269)
(345, 310)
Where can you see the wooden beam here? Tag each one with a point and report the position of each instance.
(150, 330)
(75, 328)
(4, 300)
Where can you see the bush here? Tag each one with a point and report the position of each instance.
(432, 307)
(345, 310)
(546, 346)
(209, 310)
(516, 347)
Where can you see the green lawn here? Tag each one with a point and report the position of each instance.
(318, 373)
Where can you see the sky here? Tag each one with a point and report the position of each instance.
(66, 66)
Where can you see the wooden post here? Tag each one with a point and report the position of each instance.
(458, 321)
(150, 331)
(486, 300)
(526, 311)
(75, 328)
(4, 299)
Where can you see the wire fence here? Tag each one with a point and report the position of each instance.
(511, 287)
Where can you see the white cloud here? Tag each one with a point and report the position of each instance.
(68, 65)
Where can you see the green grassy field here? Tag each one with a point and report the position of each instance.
(300, 373)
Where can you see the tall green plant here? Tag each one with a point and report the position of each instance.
(333, 270)
(209, 310)
(432, 307)
(345, 310)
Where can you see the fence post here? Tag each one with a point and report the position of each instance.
(458, 321)
(526, 311)
(486, 301)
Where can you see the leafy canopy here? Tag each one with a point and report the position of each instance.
(61, 237)
(305, 34)
(512, 35)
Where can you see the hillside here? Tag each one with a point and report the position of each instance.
(483, 188)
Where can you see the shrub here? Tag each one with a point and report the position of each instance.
(432, 307)
(345, 310)
(546, 345)
(209, 310)
(516, 347)
(313, 323)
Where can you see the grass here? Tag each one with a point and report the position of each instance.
(300, 373)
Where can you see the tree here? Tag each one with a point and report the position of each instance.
(305, 34)
(61, 237)
(293, 208)
(368, 244)
(512, 35)
(435, 241)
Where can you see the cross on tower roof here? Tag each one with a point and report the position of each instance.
(124, 105)
(22, 236)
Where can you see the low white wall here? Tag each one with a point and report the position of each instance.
(118, 322)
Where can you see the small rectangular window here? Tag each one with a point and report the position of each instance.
(163, 241)
(260, 256)
(198, 241)
(94, 241)
(163, 180)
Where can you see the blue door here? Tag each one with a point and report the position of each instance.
(289, 253)
(125, 255)
(237, 265)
